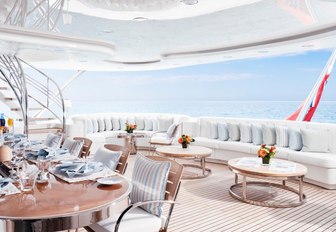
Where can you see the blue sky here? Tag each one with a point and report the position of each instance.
(284, 78)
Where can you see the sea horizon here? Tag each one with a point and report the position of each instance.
(216, 108)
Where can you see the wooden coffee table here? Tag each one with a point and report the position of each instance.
(192, 152)
(281, 170)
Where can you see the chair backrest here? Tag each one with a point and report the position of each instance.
(86, 146)
(123, 161)
(174, 177)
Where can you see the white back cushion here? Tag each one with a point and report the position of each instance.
(140, 122)
(123, 122)
(295, 139)
(223, 132)
(245, 133)
(171, 130)
(268, 135)
(257, 135)
(282, 137)
(213, 131)
(101, 125)
(108, 124)
(115, 123)
(314, 140)
(164, 123)
(148, 124)
(234, 132)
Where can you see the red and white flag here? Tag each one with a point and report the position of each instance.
(307, 109)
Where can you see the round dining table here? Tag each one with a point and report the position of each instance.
(58, 205)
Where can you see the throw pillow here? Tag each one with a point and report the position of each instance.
(94, 125)
(108, 124)
(89, 127)
(282, 138)
(164, 123)
(122, 122)
(101, 125)
(155, 124)
(107, 157)
(245, 133)
(115, 123)
(295, 139)
(148, 125)
(314, 140)
(268, 135)
(234, 132)
(149, 182)
(223, 132)
(53, 140)
(257, 136)
(140, 122)
(74, 146)
(213, 131)
(171, 130)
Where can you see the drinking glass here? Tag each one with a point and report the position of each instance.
(43, 166)
(28, 179)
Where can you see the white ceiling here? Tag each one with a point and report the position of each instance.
(157, 34)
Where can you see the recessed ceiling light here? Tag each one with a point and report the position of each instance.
(189, 2)
(307, 45)
(108, 31)
(140, 19)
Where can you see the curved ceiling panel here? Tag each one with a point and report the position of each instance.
(174, 35)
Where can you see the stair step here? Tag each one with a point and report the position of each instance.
(3, 88)
(44, 130)
(29, 109)
(9, 99)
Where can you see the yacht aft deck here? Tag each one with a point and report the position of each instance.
(205, 205)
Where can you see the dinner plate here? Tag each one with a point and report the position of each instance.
(109, 180)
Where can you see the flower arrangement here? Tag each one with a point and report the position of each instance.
(266, 153)
(130, 127)
(185, 140)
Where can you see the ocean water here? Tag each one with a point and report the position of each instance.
(326, 111)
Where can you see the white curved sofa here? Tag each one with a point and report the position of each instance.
(104, 128)
(318, 139)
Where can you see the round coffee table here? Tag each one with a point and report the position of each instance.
(278, 170)
(193, 152)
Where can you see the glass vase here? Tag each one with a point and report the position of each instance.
(184, 145)
(266, 160)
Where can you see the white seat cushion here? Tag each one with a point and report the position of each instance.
(325, 160)
(235, 146)
(210, 143)
(135, 220)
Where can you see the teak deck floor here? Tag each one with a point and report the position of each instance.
(206, 205)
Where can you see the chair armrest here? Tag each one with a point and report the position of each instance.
(157, 132)
(135, 205)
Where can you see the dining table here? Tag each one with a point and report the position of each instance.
(61, 205)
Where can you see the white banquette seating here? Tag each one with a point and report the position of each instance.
(311, 144)
(105, 127)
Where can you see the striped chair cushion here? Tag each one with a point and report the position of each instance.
(74, 146)
(282, 139)
(245, 133)
(149, 181)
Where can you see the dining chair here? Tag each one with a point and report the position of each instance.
(123, 160)
(135, 217)
(85, 152)
(160, 138)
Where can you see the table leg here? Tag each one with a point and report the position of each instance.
(301, 188)
(203, 165)
(244, 187)
(236, 178)
(284, 183)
